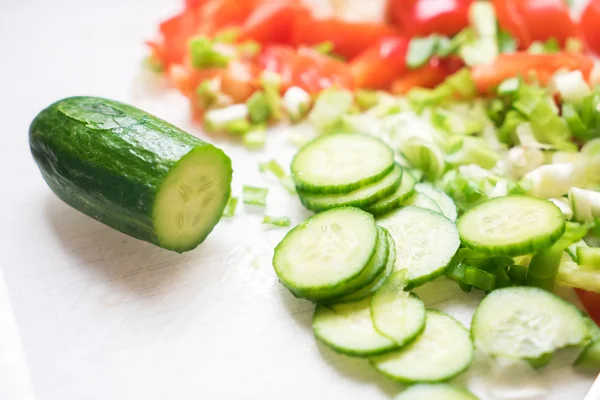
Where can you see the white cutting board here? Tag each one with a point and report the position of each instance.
(103, 316)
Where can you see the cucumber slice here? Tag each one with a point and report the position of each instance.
(588, 256)
(362, 197)
(347, 329)
(340, 163)
(397, 314)
(421, 200)
(425, 242)
(326, 251)
(444, 202)
(381, 278)
(526, 323)
(589, 358)
(443, 351)
(440, 391)
(390, 203)
(511, 225)
(372, 270)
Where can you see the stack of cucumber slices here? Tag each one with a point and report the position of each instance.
(358, 265)
(349, 170)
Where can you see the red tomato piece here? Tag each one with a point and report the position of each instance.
(591, 302)
(306, 68)
(273, 22)
(589, 24)
(428, 76)
(531, 20)
(381, 64)
(489, 76)
(424, 17)
(349, 38)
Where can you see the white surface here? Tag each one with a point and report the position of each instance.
(103, 316)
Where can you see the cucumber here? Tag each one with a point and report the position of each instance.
(395, 200)
(444, 202)
(526, 323)
(347, 328)
(341, 163)
(131, 171)
(362, 197)
(440, 353)
(440, 391)
(511, 226)
(589, 358)
(372, 270)
(425, 242)
(397, 314)
(326, 252)
(421, 200)
(380, 279)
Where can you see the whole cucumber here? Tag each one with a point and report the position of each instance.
(131, 171)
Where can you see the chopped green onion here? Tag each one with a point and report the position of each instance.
(457, 274)
(271, 84)
(571, 86)
(325, 47)
(254, 195)
(255, 138)
(420, 50)
(230, 207)
(509, 87)
(259, 109)
(588, 256)
(273, 167)
(446, 46)
(208, 92)
(574, 122)
(238, 128)
(474, 150)
(296, 102)
(219, 119)
(574, 45)
(204, 54)
(277, 170)
(549, 46)
(480, 279)
(277, 221)
(366, 99)
(506, 42)
(543, 268)
(154, 64)
(249, 48)
(229, 35)
(331, 105)
(517, 274)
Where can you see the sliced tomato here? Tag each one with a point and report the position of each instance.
(489, 76)
(591, 302)
(273, 22)
(306, 68)
(424, 17)
(381, 64)
(589, 23)
(349, 38)
(201, 17)
(531, 20)
(428, 76)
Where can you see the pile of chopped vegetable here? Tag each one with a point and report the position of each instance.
(461, 141)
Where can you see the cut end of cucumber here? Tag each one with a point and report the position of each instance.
(511, 225)
(191, 199)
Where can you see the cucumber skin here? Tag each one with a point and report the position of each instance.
(108, 160)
